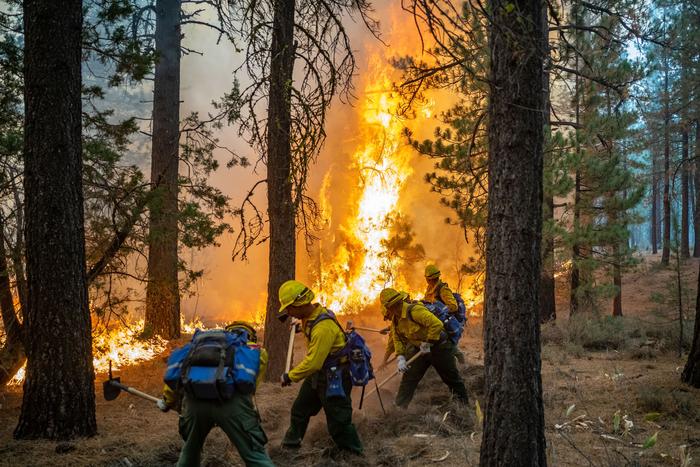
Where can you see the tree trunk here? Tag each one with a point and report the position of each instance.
(514, 413)
(548, 304)
(685, 228)
(696, 211)
(59, 394)
(576, 249)
(654, 204)
(281, 210)
(666, 251)
(162, 292)
(691, 372)
(617, 281)
(12, 353)
(18, 253)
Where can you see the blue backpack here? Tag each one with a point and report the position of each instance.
(357, 353)
(461, 306)
(214, 365)
(453, 328)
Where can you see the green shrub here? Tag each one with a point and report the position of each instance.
(652, 399)
(594, 333)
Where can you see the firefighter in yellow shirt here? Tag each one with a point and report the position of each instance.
(324, 338)
(439, 291)
(415, 329)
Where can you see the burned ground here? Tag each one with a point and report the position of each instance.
(608, 387)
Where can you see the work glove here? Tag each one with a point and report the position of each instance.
(284, 379)
(425, 347)
(162, 405)
(385, 331)
(401, 364)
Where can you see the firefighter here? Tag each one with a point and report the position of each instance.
(324, 338)
(237, 417)
(415, 329)
(440, 291)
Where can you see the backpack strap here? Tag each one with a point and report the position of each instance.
(332, 357)
(409, 313)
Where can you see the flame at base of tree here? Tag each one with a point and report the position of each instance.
(122, 345)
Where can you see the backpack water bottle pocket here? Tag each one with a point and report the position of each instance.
(334, 381)
(204, 383)
(246, 365)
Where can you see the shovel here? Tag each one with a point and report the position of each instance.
(112, 387)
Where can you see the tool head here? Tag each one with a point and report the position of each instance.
(350, 326)
(110, 390)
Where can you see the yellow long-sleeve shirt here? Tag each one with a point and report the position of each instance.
(446, 296)
(325, 338)
(421, 326)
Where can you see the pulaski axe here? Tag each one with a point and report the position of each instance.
(112, 387)
(351, 326)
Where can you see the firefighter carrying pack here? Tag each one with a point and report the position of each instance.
(214, 365)
(452, 327)
(355, 353)
(461, 314)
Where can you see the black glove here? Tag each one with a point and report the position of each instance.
(284, 379)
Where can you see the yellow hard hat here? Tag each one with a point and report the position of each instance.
(293, 293)
(432, 272)
(245, 326)
(389, 297)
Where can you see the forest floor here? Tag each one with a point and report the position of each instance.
(608, 386)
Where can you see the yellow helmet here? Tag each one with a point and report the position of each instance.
(390, 297)
(293, 293)
(243, 326)
(432, 272)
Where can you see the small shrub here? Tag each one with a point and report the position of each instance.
(554, 355)
(651, 399)
(598, 334)
(575, 350)
(683, 404)
(551, 333)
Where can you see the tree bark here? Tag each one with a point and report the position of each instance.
(685, 211)
(281, 210)
(514, 415)
(162, 291)
(696, 179)
(12, 352)
(666, 251)
(59, 394)
(654, 203)
(548, 304)
(691, 372)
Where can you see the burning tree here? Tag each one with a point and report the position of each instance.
(290, 136)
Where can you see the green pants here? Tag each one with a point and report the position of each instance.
(239, 420)
(309, 402)
(442, 358)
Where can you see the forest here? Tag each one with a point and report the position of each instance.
(219, 218)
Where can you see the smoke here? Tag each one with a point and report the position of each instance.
(234, 290)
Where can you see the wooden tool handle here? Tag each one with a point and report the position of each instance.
(290, 349)
(391, 376)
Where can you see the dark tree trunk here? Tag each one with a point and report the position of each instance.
(279, 183)
(691, 372)
(18, 254)
(666, 251)
(514, 414)
(12, 352)
(548, 304)
(59, 394)
(685, 210)
(696, 211)
(654, 204)
(576, 249)
(617, 281)
(162, 294)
